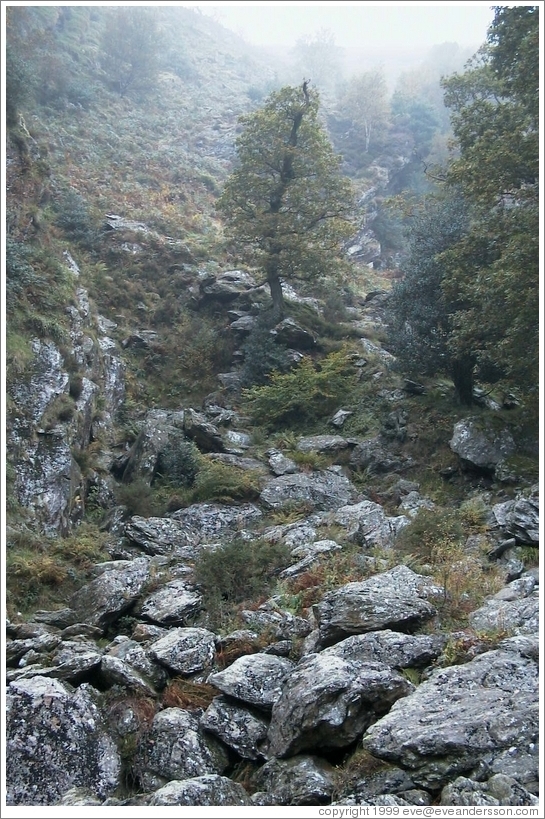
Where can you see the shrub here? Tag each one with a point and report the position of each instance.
(238, 571)
(73, 216)
(179, 463)
(304, 394)
(223, 483)
(262, 355)
(138, 498)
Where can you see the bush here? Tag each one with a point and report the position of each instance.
(238, 571)
(304, 394)
(138, 498)
(223, 484)
(72, 215)
(262, 356)
(179, 463)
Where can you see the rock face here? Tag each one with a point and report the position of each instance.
(324, 490)
(328, 702)
(459, 716)
(55, 741)
(397, 599)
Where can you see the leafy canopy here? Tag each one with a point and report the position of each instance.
(286, 203)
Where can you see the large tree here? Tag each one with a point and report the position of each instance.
(286, 204)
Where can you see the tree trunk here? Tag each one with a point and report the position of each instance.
(275, 287)
(462, 376)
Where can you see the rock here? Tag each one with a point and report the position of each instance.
(367, 524)
(204, 434)
(240, 727)
(372, 457)
(373, 349)
(282, 625)
(392, 781)
(114, 671)
(291, 334)
(109, 596)
(226, 287)
(397, 599)
(328, 702)
(499, 790)
(331, 444)
(515, 616)
(176, 748)
(185, 650)
(159, 536)
(325, 490)
(171, 605)
(160, 428)
(340, 417)
(55, 741)
(280, 465)
(207, 790)
(256, 679)
(390, 647)
(301, 780)
(458, 716)
(480, 446)
(519, 519)
(79, 797)
(210, 522)
(137, 657)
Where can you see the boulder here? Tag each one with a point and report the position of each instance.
(520, 616)
(55, 741)
(172, 604)
(459, 716)
(282, 625)
(329, 444)
(159, 428)
(105, 599)
(481, 446)
(328, 702)
(225, 287)
(519, 519)
(390, 647)
(372, 457)
(204, 434)
(185, 650)
(396, 599)
(210, 522)
(201, 791)
(279, 464)
(134, 655)
(256, 679)
(301, 780)
(159, 536)
(240, 727)
(327, 490)
(290, 334)
(498, 790)
(175, 747)
(367, 524)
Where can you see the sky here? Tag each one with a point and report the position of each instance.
(356, 24)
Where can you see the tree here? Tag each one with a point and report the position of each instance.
(365, 103)
(130, 43)
(495, 120)
(286, 203)
(421, 313)
(319, 58)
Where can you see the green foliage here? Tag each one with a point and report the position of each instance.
(179, 463)
(238, 571)
(304, 394)
(262, 355)
(286, 204)
(138, 498)
(72, 215)
(223, 483)
(130, 45)
(318, 56)
(364, 103)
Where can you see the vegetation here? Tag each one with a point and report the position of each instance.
(286, 205)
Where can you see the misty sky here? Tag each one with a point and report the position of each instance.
(371, 24)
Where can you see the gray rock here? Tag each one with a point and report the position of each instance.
(328, 702)
(515, 616)
(519, 519)
(281, 624)
(185, 650)
(159, 428)
(499, 790)
(79, 797)
(326, 490)
(367, 524)
(55, 741)
(176, 748)
(256, 679)
(207, 790)
(301, 780)
(393, 781)
(331, 444)
(171, 605)
(104, 600)
(479, 445)
(390, 647)
(397, 599)
(239, 727)
(340, 417)
(159, 536)
(280, 465)
(205, 435)
(226, 287)
(373, 457)
(114, 671)
(210, 522)
(132, 653)
(291, 334)
(458, 716)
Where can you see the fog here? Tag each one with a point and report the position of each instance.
(383, 26)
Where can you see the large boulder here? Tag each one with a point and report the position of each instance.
(240, 727)
(159, 536)
(105, 599)
(55, 741)
(175, 747)
(328, 702)
(301, 780)
(185, 650)
(325, 490)
(172, 604)
(481, 446)
(256, 679)
(397, 599)
(519, 518)
(225, 287)
(367, 524)
(159, 428)
(201, 791)
(459, 716)
(390, 647)
(211, 522)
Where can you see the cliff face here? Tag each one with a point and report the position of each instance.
(220, 597)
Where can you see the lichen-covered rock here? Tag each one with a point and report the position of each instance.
(397, 599)
(291, 334)
(516, 616)
(327, 702)
(202, 791)
(301, 780)
(460, 715)
(185, 650)
(499, 790)
(257, 679)
(159, 536)
(211, 522)
(481, 446)
(322, 443)
(175, 747)
(55, 741)
(326, 490)
(389, 647)
(374, 458)
(519, 518)
(367, 524)
(281, 465)
(104, 600)
(281, 624)
(240, 727)
(132, 653)
(172, 604)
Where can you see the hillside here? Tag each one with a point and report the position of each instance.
(248, 562)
